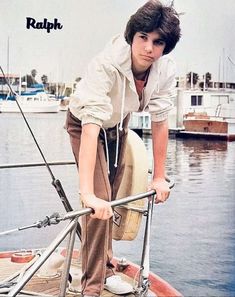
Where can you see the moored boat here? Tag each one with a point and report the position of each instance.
(219, 126)
(196, 113)
(31, 102)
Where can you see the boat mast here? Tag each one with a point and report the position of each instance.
(219, 72)
(224, 81)
(8, 51)
(191, 81)
(20, 83)
(204, 82)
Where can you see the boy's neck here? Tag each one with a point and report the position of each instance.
(140, 75)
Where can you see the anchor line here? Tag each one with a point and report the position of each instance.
(55, 182)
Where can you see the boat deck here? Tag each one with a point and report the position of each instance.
(48, 286)
(47, 280)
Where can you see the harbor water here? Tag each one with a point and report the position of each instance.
(193, 233)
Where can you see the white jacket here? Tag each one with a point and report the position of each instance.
(107, 93)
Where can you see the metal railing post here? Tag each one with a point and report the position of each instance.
(69, 253)
(143, 282)
(34, 268)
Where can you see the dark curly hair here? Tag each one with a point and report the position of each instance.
(154, 16)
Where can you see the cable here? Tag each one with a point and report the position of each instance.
(55, 182)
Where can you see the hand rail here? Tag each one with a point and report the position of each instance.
(118, 202)
(36, 164)
(55, 218)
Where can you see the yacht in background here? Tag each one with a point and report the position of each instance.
(31, 100)
(197, 113)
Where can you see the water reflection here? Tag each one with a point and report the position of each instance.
(194, 234)
(203, 146)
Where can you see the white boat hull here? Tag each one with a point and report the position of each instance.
(31, 107)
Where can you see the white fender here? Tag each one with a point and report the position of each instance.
(51, 268)
(134, 181)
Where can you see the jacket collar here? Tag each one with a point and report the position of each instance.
(121, 56)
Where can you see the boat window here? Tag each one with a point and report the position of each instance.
(29, 98)
(196, 100)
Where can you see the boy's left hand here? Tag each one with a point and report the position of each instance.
(161, 186)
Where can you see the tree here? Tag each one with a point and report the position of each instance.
(206, 80)
(44, 79)
(78, 79)
(192, 78)
(34, 73)
(30, 79)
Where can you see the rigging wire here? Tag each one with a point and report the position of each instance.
(26, 122)
(55, 182)
(231, 61)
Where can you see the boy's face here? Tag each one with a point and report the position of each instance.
(146, 48)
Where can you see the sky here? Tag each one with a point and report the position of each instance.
(207, 43)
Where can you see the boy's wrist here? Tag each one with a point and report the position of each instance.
(86, 196)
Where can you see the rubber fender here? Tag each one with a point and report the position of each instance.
(135, 179)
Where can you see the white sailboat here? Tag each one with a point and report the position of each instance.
(34, 101)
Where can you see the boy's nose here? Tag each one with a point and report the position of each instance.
(148, 48)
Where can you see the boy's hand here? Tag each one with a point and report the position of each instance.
(102, 208)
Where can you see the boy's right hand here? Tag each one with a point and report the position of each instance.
(102, 208)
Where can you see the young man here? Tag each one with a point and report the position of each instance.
(130, 74)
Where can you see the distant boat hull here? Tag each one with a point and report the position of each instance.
(202, 125)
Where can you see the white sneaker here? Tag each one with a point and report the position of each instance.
(117, 286)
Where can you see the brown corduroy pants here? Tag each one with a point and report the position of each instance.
(97, 234)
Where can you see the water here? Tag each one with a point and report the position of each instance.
(193, 234)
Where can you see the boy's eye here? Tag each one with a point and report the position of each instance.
(143, 37)
(160, 42)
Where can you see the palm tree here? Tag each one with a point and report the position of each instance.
(208, 77)
(34, 73)
(206, 81)
(78, 79)
(192, 78)
(44, 80)
(30, 79)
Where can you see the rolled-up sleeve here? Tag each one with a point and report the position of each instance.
(162, 99)
(90, 102)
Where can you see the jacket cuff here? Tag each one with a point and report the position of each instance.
(159, 117)
(88, 119)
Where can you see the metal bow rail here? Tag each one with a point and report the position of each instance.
(70, 230)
